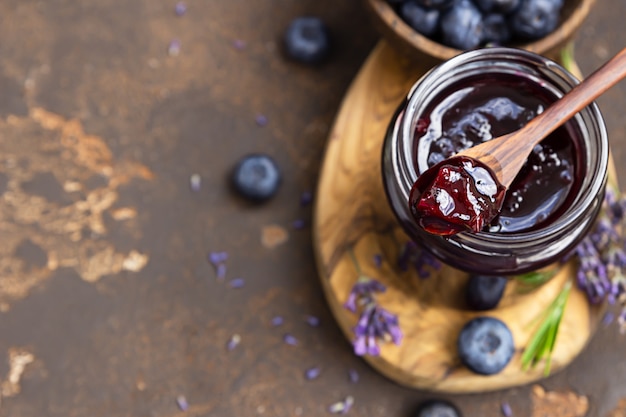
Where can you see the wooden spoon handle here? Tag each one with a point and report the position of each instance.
(579, 97)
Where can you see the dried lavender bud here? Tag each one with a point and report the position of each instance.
(261, 120)
(312, 321)
(378, 260)
(174, 48)
(342, 407)
(180, 8)
(181, 402)
(237, 283)
(216, 258)
(419, 258)
(312, 373)
(506, 410)
(195, 182)
(290, 340)
(353, 376)
(277, 321)
(233, 342)
(239, 44)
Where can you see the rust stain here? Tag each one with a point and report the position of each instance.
(558, 404)
(620, 411)
(18, 360)
(273, 235)
(69, 227)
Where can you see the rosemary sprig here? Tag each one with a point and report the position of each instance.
(534, 279)
(542, 343)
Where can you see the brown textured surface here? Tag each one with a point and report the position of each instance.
(107, 305)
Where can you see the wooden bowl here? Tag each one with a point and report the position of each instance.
(416, 45)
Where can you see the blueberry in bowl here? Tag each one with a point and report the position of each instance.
(440, 29)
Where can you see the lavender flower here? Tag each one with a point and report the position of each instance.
(363, 292)
(601, 256)
(422, 260)
(375, 323)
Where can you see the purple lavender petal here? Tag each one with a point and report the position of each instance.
(237, 283)
(347, 404)
(277, 321)
(350, 303)
(506, 410)
(372, 346)
(180, 8)
(261, 120)
(312, 373)
(182, 403)
(306, 198)
(608, 318)
(290, 340)
(216, 258)
(312, 321)
(360, 345)
(353, 376)
(233, 342)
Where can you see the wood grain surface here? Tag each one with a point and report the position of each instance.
(352, 217)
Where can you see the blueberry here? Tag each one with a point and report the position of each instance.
(423, 20)
(484, 292)
(256, 177)
(485, 345)
(497, 6)
(436, 4)
(307, 40)
(535, 18)
(437, 408)
(462, 26)
(496, 29)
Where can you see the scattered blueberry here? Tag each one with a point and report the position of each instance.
(485, 345)
(256, 177)
(535, 18)
(437, 408)
(307, 40)
(484, 292)
(462, 26)
(496, 29)
(423, 20)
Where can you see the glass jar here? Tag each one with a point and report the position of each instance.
(488, 252)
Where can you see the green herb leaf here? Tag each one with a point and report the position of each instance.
(541, 344)
(532, 280)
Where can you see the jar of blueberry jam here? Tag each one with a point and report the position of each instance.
(480, 95)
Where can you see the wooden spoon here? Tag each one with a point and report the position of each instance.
(506, 155)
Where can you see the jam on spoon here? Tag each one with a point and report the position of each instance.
(459, 194)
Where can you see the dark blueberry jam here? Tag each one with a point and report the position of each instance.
(481, 109)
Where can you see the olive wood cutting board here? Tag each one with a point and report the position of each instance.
(353, 224)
